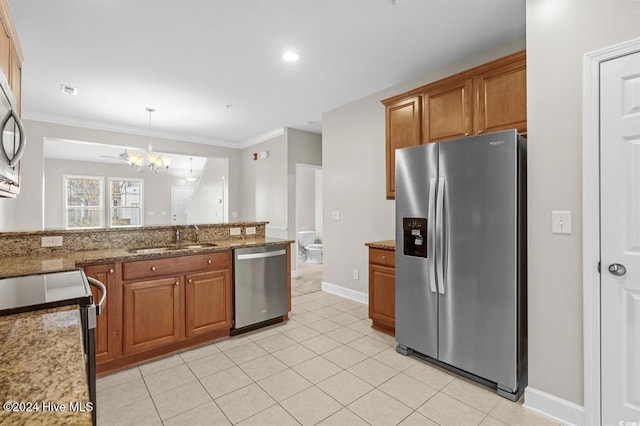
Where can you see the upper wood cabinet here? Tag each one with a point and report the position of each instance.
(487, 98)
(403, 130)
(448, 109)
(501, 98)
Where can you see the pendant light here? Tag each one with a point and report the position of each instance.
(191, 177)
(151, 161)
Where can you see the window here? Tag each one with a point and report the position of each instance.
(84, 201)
(125, 202)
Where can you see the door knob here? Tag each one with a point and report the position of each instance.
(617, 269)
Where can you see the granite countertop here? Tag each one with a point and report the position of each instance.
(384, 245)
(28, 265)
(28, 375)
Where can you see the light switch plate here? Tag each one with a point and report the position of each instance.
(335, 215)
(561, 222)
(52, 241)
(234, 231)
(250, 230)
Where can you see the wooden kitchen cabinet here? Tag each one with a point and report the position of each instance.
(382, 289)
(207, 302)
(173, 299)
(448, 110)
(151, 314)
(501, 94)
(487, 98)
(108, 341)
(403, 130)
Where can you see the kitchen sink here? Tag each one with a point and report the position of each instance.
(196, 246)
(165, 249)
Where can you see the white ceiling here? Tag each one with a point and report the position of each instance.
(189, 59)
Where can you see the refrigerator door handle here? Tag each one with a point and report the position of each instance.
(431, 246)
(440, 235)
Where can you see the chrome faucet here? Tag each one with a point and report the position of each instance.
(196, 228)
(177, 235)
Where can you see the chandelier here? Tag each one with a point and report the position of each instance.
(149, 161)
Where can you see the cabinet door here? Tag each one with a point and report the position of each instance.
(207, 302)
(107, 327)
(402, 130)
(501, 95)
(382, 296)
(448, 109)
(152, 313)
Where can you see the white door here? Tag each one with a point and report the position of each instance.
(620, 239)
(180, 198)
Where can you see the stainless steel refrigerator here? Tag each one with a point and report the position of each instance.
(461, 257)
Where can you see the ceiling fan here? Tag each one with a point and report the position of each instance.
(124, 156)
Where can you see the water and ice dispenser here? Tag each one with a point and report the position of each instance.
(414, 236)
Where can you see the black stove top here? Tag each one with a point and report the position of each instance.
(33, 292)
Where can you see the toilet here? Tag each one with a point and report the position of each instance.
(314, 253)
(304, 239)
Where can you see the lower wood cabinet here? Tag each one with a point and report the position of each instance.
(152, 312)
(207, 302)
(382, 289)
(108, 341)
(161, 305)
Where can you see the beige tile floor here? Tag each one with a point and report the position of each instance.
(325, 366)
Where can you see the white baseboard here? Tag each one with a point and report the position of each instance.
(566, 412)
(347, 293)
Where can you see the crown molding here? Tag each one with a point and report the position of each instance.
(97, 125)
(261, 138)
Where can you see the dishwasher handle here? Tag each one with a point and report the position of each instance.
(261, 255)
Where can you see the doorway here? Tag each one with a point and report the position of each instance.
(611, 235)
(308, 228)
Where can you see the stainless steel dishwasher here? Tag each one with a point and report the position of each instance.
(259, 286)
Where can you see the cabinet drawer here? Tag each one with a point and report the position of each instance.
(173, 265)
(382, 257)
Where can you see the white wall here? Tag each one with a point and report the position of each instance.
(353, 163)
(559, 33)
(210, 199)
(306, 198)
(264, 184)
(157, 189)
(302, 148)
(268, 185)
(26, 212)
(319, 205)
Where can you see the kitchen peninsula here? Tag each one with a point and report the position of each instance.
(162, 297)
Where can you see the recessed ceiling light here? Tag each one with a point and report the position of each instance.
(69, 90)
(291, 56)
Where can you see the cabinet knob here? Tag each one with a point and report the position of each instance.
(190, 280)
(466, 134)
(177, 282)
(384, 257)
(209, 261)
(153, 268)
(479, 131)
(111, 271)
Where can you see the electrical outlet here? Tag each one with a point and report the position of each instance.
(335, 215)
(251, 230)
(52, 241)
(356, 274)
(235, 231)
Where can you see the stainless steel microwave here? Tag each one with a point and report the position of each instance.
(13, 138)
